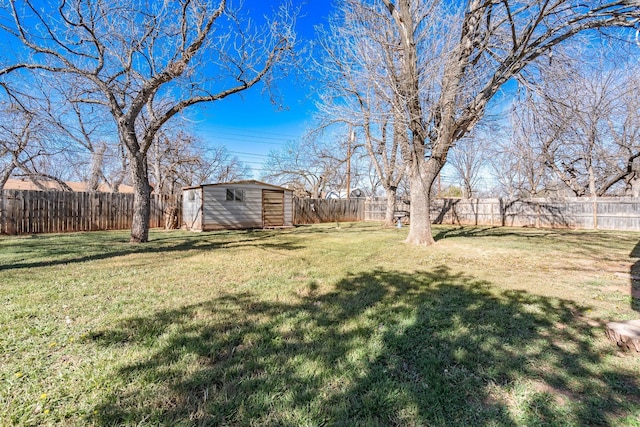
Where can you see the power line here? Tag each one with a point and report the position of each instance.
(251, 133)
(252, 141)
(250, 154)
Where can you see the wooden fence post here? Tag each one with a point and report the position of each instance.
(491, 207)
(3, 213)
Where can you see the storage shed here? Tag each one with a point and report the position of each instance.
(236, 205)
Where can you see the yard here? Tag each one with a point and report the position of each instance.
(339, 324)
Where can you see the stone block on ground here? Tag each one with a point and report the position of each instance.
(625, 334)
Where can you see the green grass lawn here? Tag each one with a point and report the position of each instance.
(325, 325)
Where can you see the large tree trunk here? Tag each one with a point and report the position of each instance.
(119, 177)
(141, 199)
(391, 206)
(467, 189)
(4, 175)
(97, 162)
(422, 176)
(633, 187)
(592, 182)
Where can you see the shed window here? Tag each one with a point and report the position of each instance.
(234, 194)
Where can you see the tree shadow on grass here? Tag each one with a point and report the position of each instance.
(384, 348)
(92, 246)
(586, 242)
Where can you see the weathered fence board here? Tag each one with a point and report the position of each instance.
(314, 211)
(607, 213)
(375, 210)
(31, 212)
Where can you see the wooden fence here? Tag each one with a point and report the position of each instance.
(314, 211)
(606, 213)
(375, 210)
(30, 212)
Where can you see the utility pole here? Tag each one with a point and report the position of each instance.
(350, 141)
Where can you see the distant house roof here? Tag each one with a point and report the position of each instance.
(245, 182)
(20, 184)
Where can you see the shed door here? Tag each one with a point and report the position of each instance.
(273, 208)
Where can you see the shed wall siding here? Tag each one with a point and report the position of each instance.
(191, 209)
(210, 209)
(288, 208)
(222, 214)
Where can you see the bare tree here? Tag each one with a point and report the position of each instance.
(177, 160)
(72, 142)
(26, 150)
(216, 165)
(83, 134)
(17, 131)
(450, 60)
(27, 140)
(585, 122)
(115, 167)
(143, 63)
(167, 156)
(468, 157)
(304, 167)
(360, 98)
(383, 150)
(516, 160)
(626, 134)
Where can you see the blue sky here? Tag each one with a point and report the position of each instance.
(248, 124)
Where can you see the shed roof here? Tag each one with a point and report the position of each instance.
(245, 182)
